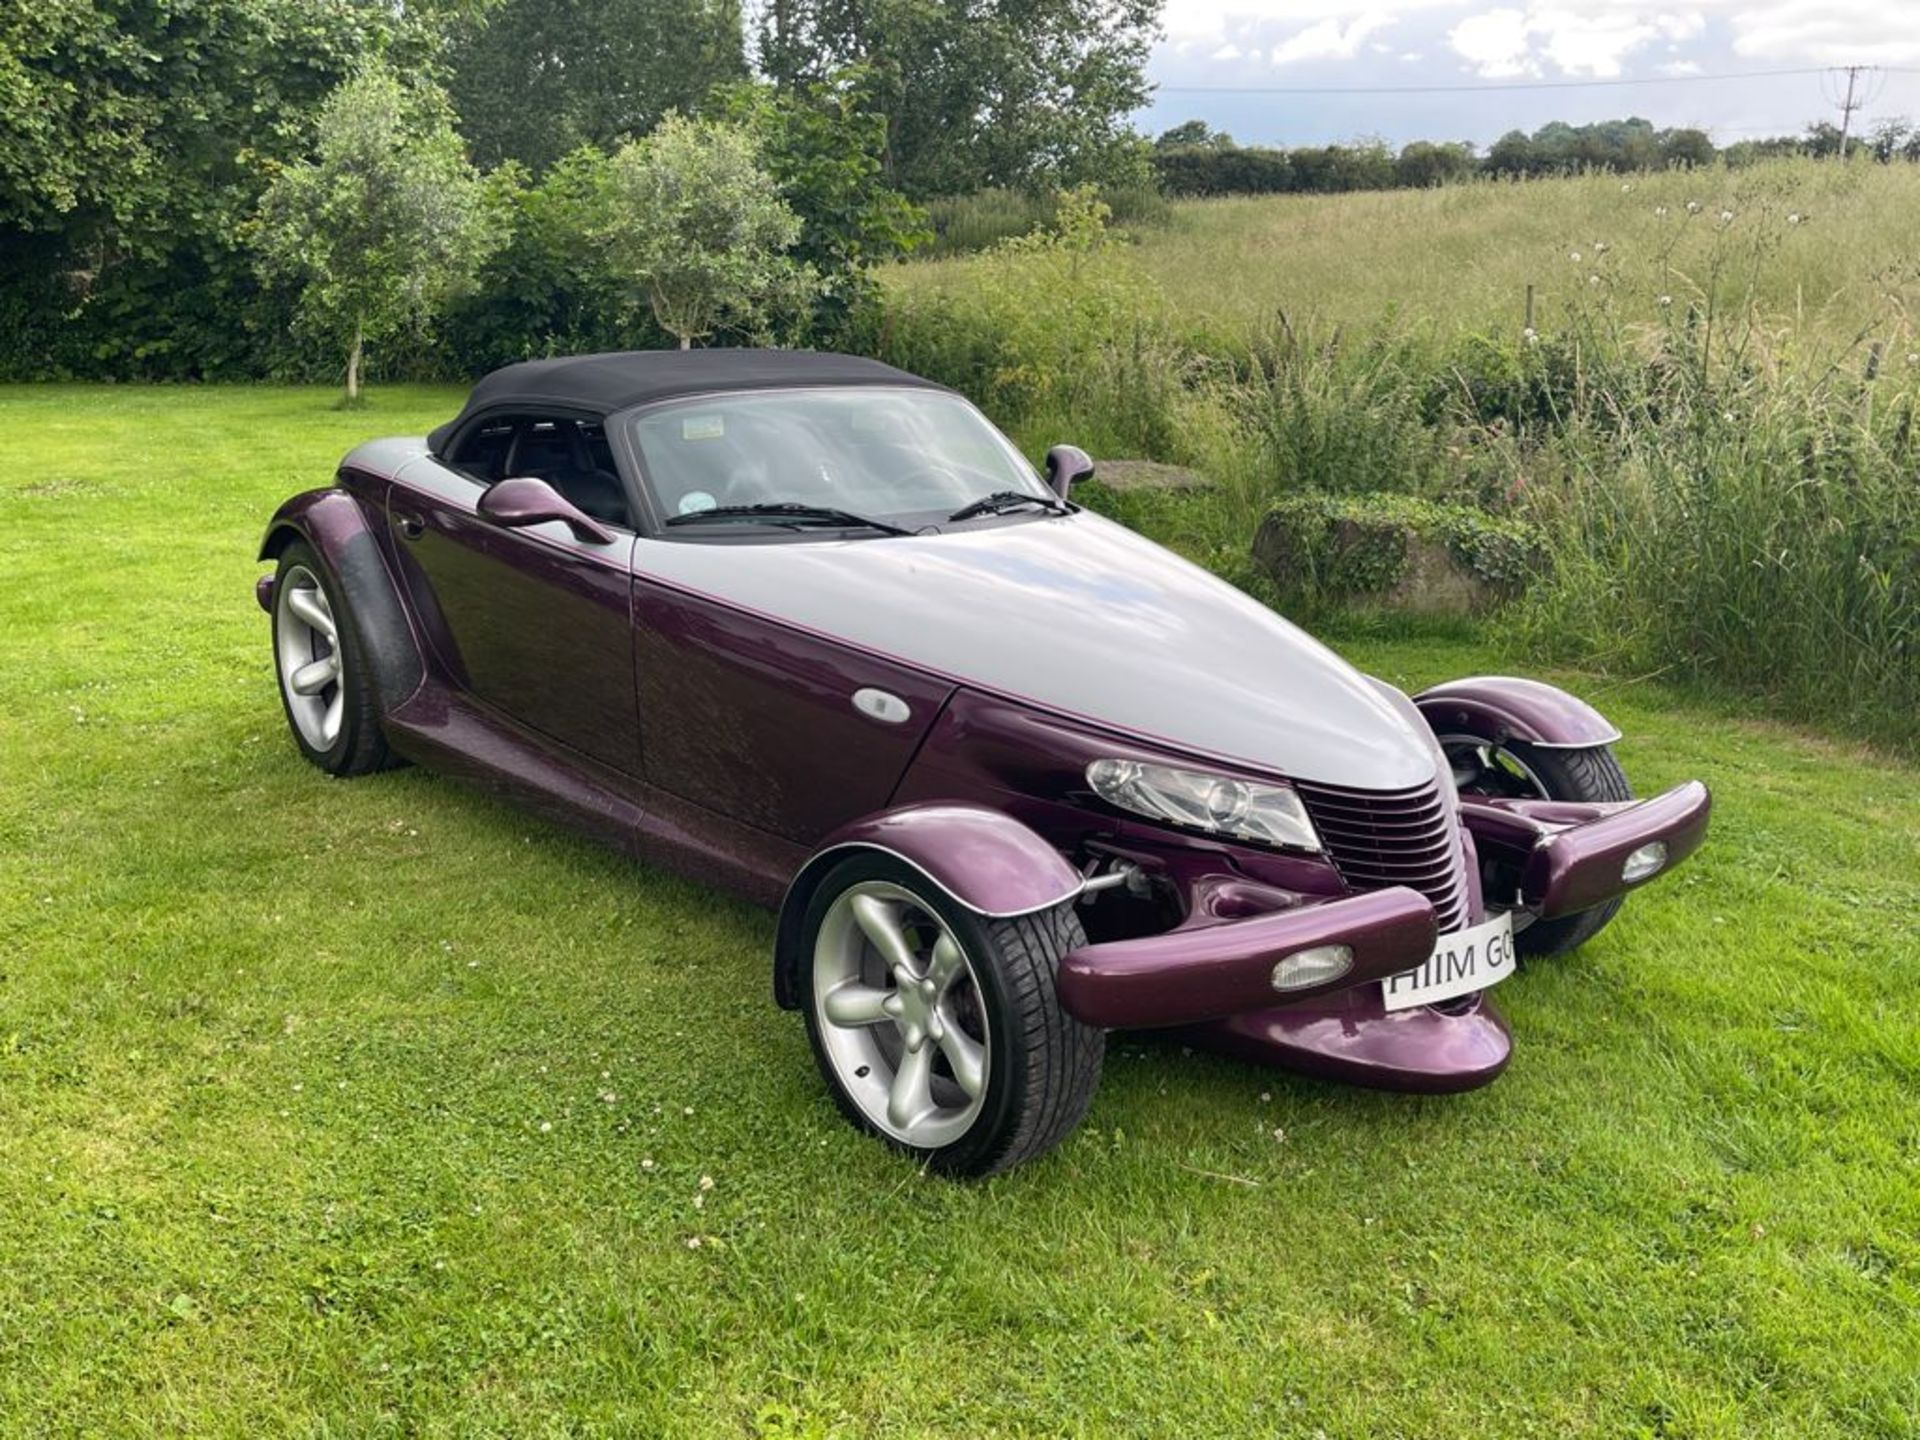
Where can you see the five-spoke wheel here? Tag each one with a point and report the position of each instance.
(306, 642)
(938, 1028)
(330, 704)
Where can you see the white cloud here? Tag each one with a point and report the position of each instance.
(1494, 43)
(1591, 45)
(1581, 38)
(1329, 39)
(1189, 20)
(1834, 32)
(1680, 67)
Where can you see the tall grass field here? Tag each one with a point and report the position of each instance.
(1702, 384)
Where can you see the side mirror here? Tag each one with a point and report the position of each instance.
(1067, 466)
(516, 504)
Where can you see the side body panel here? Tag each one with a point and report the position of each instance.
(533, 622)
(758, 721)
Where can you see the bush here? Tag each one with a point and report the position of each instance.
(1326, 552)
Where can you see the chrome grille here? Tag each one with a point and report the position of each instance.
(1377, 838)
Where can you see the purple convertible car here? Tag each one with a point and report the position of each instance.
(811, 629)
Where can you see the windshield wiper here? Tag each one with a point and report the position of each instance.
(1001, 501)
(788, 512)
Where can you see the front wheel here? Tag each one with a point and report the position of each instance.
(939, 1030)
(325, 682)
(1516, 769)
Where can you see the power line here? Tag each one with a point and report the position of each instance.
(1495, 85)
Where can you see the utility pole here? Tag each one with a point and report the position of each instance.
(1848, 106)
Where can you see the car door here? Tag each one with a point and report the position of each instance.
(535, 623)
(789, 732)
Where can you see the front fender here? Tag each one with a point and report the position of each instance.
(337, 526)
(987, 861)
(1499, 708)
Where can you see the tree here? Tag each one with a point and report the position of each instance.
(1023, 93)
(1192, 133)
(1512, 154)
(1424, 163)
(1893, 138)
(1686, 149)
(134, 144)
(823, 145)
(700, 230)
(384, 225)
(535, 79)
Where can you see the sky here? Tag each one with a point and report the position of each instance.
(1673, 62)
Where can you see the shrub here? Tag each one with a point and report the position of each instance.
(1330, 551)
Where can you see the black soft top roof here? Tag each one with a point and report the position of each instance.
(602, 384)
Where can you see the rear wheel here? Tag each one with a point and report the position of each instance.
(1516, 769)
(325, 683)
(939, 1030)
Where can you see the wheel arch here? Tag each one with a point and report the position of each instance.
(982, 859)
(336, 526)
(1498, 708)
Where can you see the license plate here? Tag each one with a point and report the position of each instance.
(1461, 963)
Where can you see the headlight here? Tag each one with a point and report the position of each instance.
(1271, 814)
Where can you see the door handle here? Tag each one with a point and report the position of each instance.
(411, 526)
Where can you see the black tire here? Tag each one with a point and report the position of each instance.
(1043, 1066)
(1590, 775)
(360, 747)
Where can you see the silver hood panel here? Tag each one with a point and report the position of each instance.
(1083, 617)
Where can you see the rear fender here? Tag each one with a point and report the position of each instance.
(985, 860)
(337, 526)
(1498, 708)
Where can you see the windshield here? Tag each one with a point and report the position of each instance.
(904, 456)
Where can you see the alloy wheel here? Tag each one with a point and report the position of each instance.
(900, 1014)
(307, 643)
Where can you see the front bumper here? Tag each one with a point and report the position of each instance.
(1569, 856)
(1214, 972)
(1210, 966)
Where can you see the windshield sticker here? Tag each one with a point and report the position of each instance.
(703, 427)
(695, 501)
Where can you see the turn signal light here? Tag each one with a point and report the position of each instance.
(1306, 968)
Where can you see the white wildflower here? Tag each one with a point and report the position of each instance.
(1726, 216)
(1599, 247)
(1593, 279)
(647, 1164)
(1659, 212)
(1575, 257)
(693, 1242)
(706, 1182)
(1666, 302)
(1794, 218)
(1693, 207)
(1530, 335)
(545, 1126)
(1627, 189)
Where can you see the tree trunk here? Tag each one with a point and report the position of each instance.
(686, 342)
(353, 362)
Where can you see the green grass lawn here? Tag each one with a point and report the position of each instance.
(374, 1107)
